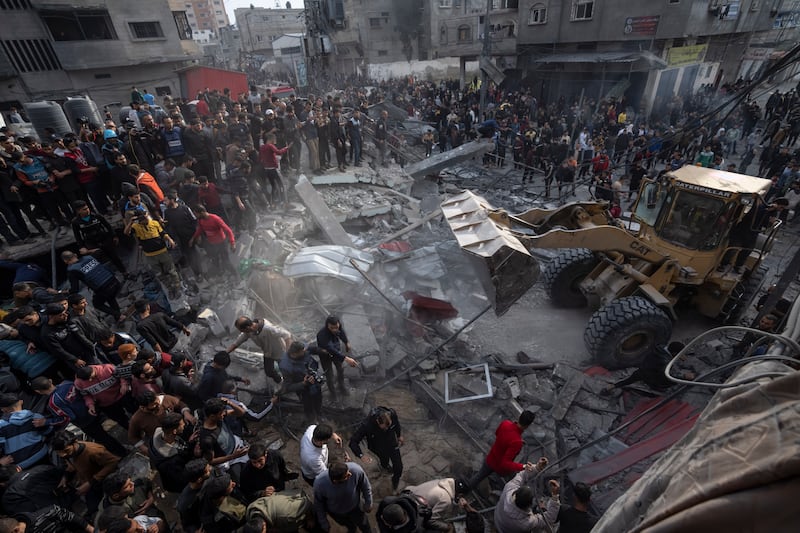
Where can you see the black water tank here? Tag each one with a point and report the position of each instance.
(47, 114)
(77, 107)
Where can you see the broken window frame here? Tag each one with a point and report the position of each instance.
(487, 375)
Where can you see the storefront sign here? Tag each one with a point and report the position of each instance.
(686, 55)
(641, 25)
(757, 54)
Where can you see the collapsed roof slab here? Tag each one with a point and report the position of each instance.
(439, 162)
(321, 213)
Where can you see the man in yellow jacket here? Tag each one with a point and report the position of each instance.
(155, 243)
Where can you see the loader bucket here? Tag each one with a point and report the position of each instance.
(504, 267)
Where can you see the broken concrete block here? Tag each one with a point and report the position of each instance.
(209, 318)
(196, 337)
(321, 213)
(355, 321)
(567, 394)
(513, 386)
(370, 364)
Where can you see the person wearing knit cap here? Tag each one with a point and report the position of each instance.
(61, 341)
(127, 354)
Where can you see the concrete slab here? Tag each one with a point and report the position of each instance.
(359, 332)
(321, 213)
(334, 178)
(439, 162)
(567, 395)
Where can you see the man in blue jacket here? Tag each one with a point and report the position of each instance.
(21, 433)
(65, 405)
(104, 285)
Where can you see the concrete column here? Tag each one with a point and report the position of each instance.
(462, 72)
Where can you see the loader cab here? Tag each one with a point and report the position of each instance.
(692, 208)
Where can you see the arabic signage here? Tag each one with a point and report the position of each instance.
(686, 55)
(786, 19)
(758, 54)
(641, 25)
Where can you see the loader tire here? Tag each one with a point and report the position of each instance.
(626, 331)
(741, 297)
(564, 274)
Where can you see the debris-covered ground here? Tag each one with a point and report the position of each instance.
(371, 247)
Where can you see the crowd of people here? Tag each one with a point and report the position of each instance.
(68, 367)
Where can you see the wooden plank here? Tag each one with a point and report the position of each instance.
(567, 395)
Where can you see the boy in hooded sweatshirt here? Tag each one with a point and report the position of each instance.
(21, 433)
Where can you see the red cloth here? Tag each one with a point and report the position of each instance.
(209, 196)
(268, 155)
(214, 229)
(507, 444)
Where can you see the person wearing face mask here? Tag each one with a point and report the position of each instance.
(94, 234)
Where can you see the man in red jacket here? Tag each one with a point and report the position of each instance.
(507, 444)
(216, 233)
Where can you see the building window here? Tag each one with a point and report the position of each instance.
(674, 1)
(443, 34)
(259, 38)
(31, 55)
(265, 19)
(375, 22)
(505, 4)
(182, 23)
(10, 5)
(582, 9)
(383, 52)
(146, 30)
(464, 34)
(537, 14)
(80, 25)
(103, 76)
(445, 3)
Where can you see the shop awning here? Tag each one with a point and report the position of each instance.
(642, 60)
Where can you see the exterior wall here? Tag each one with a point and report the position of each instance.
(259, 27)
(628, 25)
(456, 30)
(105, 69)
(203, 14)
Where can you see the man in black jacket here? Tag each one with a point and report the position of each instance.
(334, 349)
(384, 438)
(155, 328)
(93, 233)
(180, 224)
(52, 519)
(199, 145)
(265, 473)
(403, 514)
(63, 342)
(29, 490)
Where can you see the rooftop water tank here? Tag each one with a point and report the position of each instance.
(47, 114)
(82, 107)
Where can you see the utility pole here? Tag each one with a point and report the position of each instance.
(486, 56)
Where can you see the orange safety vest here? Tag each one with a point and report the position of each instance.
(147, 179)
